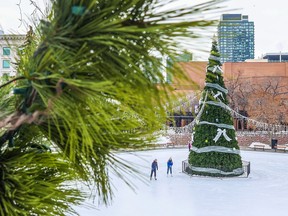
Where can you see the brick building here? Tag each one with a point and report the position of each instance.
(270, 75)
(257, 72)
(250, 73)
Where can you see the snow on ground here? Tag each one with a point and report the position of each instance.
(163, 140)
(263, 193)
(253, 144)
(267, 146)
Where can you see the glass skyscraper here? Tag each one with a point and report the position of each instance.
(235, 38)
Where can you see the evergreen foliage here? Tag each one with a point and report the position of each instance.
(215, 150)
(86, 88)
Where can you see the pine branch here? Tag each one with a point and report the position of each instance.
(10, 81)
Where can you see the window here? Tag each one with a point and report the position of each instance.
(6, 51)
(6, 63)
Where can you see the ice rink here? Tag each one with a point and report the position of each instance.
(264, 192)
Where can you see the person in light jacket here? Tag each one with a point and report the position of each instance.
(154, 167)
(169, 166)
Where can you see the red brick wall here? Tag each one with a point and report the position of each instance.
(243, 140)
(246, 140)
(255, 71)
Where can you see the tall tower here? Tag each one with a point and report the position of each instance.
(235, 38)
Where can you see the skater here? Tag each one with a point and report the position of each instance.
(169, 166)
(154, 166)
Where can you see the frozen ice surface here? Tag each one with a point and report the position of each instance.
(264, 192)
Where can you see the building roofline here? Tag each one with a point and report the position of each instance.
(279, 53)
(12, 37)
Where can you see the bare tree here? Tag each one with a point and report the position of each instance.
(269, 99)
(264, 99)
(238, 92)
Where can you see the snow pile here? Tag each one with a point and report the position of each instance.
(259, 144)
(162, 140)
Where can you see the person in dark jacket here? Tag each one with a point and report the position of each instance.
(169, 166)
(154, 167)
(189, 146)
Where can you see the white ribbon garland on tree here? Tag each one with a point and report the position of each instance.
(212, 57)
(217, 86)
(218, 125)
(215, 149)
(202, 102)
(264, 126)
(214, 69)
(190, 126)
(237, 171)
(221, 132)
(217, 95)
(220, 104)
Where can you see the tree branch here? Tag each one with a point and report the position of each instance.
(10, 81)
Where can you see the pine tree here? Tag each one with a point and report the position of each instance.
(86, 86)
(215, 150)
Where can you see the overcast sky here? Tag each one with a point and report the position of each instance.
(270, 19)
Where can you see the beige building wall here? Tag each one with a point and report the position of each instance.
(8, 59)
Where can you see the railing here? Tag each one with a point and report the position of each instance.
(189, 129)
(253, 133)
(246, 167)
(245, 164)
(185, 166)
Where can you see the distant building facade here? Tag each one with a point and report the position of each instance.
(254, 74)
(276, 57)
(9, 45)
(236, 38)
(257, 72)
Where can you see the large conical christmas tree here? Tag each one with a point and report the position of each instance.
(215, 150)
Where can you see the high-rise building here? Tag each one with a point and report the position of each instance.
(235, 38)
